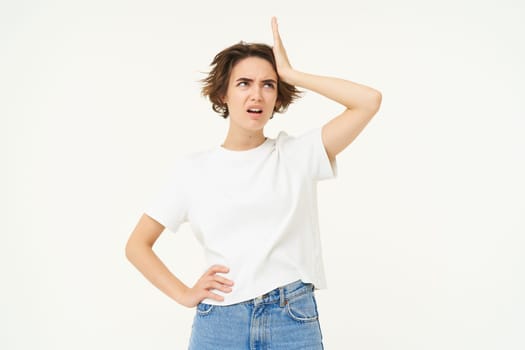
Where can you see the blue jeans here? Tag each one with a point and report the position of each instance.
(285, 318)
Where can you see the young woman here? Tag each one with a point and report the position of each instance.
(252, 205)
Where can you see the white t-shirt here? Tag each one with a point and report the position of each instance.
(254, 211)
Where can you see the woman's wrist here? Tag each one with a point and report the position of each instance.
(181, 295)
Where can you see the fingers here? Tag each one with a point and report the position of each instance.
(275, 31)
(211, 280)
(223, 280)
(214, 296)
(214, 285)
(217, 269)
(214, 269)
(219, 286)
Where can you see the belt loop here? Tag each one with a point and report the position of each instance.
(282, 301)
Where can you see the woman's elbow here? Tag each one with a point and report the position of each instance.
(378, 97)
(375, 102)
(142, 238)
(133, 248)
(130, 249)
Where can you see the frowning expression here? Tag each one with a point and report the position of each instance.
(252, 92)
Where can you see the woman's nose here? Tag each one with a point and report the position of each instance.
(256, 93)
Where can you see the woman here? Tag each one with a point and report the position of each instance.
(252, 205)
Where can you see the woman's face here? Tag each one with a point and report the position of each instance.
(252, 93)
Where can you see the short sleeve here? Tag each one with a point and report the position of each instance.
(170, 205)
(308, 149)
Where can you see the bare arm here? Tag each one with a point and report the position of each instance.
(139, 251)
(361, 102)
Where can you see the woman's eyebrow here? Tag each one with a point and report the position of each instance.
(244, 79)
(251, 80)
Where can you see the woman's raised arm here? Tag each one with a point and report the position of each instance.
(361, 102)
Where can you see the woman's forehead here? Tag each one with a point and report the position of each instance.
(254, 68)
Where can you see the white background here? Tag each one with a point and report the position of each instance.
(423, 230)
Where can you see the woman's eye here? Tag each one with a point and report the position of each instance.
(242, 83)
(270, 85)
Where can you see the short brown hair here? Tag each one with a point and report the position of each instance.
(216, 83)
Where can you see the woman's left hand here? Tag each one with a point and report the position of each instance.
(284, 68)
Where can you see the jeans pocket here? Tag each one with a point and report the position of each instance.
(303, 308)
(204, 309)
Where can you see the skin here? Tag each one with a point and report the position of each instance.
(360, 104)
(252, 83)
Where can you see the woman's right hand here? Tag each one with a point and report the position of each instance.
(284, 68)
(209, 281)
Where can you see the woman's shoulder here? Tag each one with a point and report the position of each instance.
(299, 138)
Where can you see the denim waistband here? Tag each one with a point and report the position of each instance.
(284, 293)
